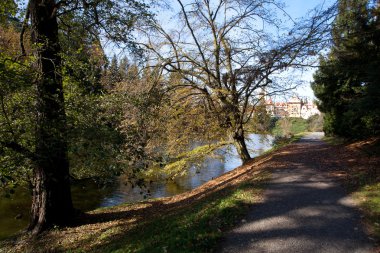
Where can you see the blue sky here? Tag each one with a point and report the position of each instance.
(299, 8)
(296, 9)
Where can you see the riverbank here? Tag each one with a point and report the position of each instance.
(191, 222)
(88, 195)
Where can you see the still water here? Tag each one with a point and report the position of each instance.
(87, 196)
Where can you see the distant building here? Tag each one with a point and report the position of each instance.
(294, 108)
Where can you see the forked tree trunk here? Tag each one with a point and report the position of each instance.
(241, 146)
(51, 201)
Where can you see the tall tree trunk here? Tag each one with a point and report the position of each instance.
(241, 146)
(234, 124)
(51, 201)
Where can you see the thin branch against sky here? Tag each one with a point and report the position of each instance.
(293, 11)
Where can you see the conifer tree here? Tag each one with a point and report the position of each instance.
(346, 83)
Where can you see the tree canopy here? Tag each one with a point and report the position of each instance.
(347, 82)
(63, 53)
(226, 52)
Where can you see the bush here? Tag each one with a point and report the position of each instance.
(290, 126)
(315, 123)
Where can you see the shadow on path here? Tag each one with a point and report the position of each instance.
(304, 209)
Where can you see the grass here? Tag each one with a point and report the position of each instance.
(292, 126)
(282, 141)
(369, 197)
(194, 222)
(195, 229)
(334, 140)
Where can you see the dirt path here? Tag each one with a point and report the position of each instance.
(304, 210)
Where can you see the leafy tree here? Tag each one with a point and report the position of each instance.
(8, 8)
(124, 66)
(261, 120)
(16, 113)
(347, 84)
(83, 59)
(94, 140)
(51, 201)
(315, 123)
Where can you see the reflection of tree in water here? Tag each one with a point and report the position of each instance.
(88, 195)
(259, 143)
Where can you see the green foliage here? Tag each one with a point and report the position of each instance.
(93, 137)
(69, 31)
(94, 141)
(261, 122)
(369, 197)
(179, 165)
(16, 116)
(115, 74)
(290, 126)
(83, 57)
(315, 123)
(8, 8)
(93, 117)
(347, 82)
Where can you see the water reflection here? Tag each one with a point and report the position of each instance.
(88, 196)
(224, 160)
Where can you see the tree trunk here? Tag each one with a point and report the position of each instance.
(241, 146)
(51, 201)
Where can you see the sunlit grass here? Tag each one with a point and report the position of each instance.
(334, 140)
(195, 229)
(369, 197)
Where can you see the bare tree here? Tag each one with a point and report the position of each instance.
(228, 51)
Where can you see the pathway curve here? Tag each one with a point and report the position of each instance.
(303, 209)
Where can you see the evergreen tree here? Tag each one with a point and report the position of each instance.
(123, 67)
(113, 74)
(347, 83)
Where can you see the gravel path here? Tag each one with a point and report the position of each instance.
(303, 209)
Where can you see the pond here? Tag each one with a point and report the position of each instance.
(14, 211)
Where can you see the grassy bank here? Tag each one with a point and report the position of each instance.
(362, 177)
(190, 222)
(369, 198)
(196, 228)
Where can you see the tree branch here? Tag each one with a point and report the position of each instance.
(19, 149)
